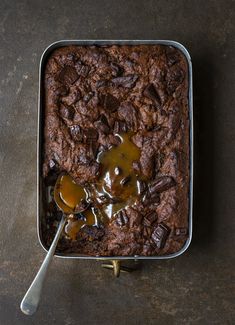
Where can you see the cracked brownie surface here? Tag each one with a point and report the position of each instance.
(94, 98)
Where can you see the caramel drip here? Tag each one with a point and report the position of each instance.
(118, 181)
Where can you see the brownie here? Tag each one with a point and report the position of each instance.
(91, 95)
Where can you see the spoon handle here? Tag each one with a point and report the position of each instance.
(31, 299)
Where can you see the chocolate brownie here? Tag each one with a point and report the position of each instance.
(123, 108)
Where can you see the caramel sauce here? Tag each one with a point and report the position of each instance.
(74, 225)
(118, 181)
(117, 188)
(68, 194)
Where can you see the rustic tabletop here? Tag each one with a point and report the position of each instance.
(195, 288)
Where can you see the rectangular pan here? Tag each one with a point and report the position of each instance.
(40, 213)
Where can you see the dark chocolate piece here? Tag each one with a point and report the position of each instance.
(109, 102)
(151, 93)
(125, 81)
(90, 134)
(121, 218)
(160, 235)
(142, 186)
(93, 149)
(161, 184)
(129, 114)
(174, 78)
(68, 75)
(150, 199)
(116, 69)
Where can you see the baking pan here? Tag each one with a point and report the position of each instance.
(40, 197)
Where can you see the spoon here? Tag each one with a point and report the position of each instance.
(30, 302)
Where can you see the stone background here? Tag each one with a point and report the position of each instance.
(195, 288)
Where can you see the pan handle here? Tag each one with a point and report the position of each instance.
(116, 266)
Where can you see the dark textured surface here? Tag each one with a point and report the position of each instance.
(195, 288)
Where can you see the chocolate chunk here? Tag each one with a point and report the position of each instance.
(93, 149)
(141, 186)
(160, 235)
(150, 218)
(121, 218)
(125, 81)
(76, 133)
(109, 102)
(102, 124)
(161, 184)
(67, 112)
(150, 199)
(68, 75)
(117, 171)
(151, 93)
(116, 69)
(181, 231)
(88, 96)
(102, 83)
(90, 135)
(174, 78)
(120, 127)
(129, 114)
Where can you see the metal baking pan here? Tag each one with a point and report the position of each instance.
(40, 212)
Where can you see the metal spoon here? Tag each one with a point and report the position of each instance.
(30, 302)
